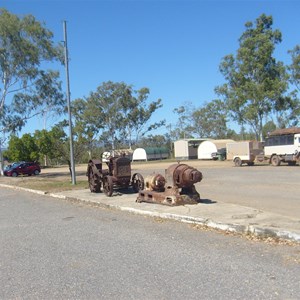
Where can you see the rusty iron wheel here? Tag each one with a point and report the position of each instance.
(94, 183)
(108, 185)
(137, 182)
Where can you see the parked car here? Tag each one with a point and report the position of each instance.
(14, 164)
(23, 168)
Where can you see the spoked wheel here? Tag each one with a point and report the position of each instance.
(108, 186)
(137, 182)
(94, 182)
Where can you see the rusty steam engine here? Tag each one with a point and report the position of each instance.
(176, 188)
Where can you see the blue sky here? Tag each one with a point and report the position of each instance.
(172, 47)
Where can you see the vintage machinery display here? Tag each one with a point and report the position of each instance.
(176, 188)
(117, 175)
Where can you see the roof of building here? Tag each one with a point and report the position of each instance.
(195, 140)
(284, 131)
(156, 150)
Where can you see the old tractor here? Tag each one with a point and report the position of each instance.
(117, 175)
(176, 188)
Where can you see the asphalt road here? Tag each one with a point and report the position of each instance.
(52, 249)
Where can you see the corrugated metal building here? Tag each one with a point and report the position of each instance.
(150, 153)
(187, 148)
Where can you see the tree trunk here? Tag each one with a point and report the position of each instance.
(70, 168)
(260, 128)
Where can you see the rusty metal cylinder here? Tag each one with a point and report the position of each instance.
(183, 175)
(155, 183)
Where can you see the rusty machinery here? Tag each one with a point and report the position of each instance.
(117, 175)
(176, 188)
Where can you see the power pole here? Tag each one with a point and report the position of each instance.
(69, 105)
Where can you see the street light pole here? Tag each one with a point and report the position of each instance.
(69, 105)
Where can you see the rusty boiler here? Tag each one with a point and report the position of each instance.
(176, 188)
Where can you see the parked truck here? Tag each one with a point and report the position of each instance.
(283, 145)
(246, 152)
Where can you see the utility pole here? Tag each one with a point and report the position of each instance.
(1, 159)
(69, 105)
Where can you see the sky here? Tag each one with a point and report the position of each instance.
(172, 47)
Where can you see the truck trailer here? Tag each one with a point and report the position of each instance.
(246, 152)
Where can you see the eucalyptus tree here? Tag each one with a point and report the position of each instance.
(255, 81)
(61, 146)
(210, 120)
(44, 142)
(292, 116)
(85, 128)
(116, 113)
(158, 141)
(23, 149)
(26, 88)
(184, 127)
(294, 68)
(137, 113)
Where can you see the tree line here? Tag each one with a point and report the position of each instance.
(259, 93)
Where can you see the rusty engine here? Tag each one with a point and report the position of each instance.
(176, 188)
(117, 175)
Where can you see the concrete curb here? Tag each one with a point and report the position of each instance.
(255, 230)
(233, 228)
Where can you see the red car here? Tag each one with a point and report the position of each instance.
(24, 168)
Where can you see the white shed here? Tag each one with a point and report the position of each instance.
(207, 148)
(139, 154)
(187, 148)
